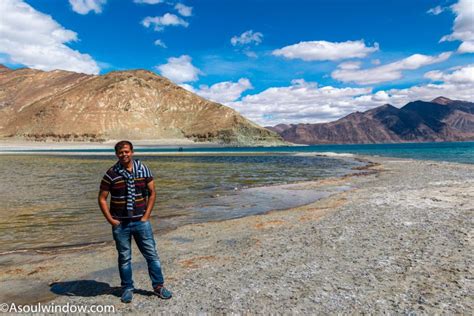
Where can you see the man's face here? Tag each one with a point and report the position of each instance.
(124, 155)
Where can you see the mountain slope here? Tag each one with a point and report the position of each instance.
(135, 105)
(439, 120)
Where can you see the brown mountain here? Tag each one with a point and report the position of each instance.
(441, 119)
(138, 105)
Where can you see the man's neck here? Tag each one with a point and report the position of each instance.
(128, 166)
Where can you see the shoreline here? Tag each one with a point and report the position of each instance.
(277, 250)
(109, 145)
(461, 155)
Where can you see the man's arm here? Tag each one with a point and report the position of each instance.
(105, 208)
(151, 200)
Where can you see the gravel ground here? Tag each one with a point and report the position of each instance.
(399, 241)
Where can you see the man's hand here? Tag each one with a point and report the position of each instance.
(151, 201)
(114, 222)
(105, 208)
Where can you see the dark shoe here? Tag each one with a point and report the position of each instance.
(127, 296)
(163, 292)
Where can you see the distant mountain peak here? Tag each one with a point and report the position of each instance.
(442, 100)
(385, 106)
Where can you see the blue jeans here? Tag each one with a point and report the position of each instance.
(143, 235)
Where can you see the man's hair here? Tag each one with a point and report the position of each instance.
(121, 144)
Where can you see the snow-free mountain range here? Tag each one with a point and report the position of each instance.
(60, 105)
(441, 119)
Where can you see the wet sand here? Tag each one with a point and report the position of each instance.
(398, 241)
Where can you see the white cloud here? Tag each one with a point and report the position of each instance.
(436, 10)
(306, 102)
(461, 75)
(160, 22)
(247, 38)
(463, 29)
(34, 39)
(183, 9)
(179, 69)
(222, 92)
(85, 6)
(466, 47)
(323, 50)
(300, 102)
(159, 42)
(388, 72)
(457, 85)
(148, 1)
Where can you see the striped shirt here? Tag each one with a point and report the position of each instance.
(116, 184)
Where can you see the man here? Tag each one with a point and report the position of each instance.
(132, 190)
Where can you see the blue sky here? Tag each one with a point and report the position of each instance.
(275, 61)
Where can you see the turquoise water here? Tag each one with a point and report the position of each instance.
(461, 152)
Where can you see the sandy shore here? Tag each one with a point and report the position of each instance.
(399, 241)
(12, 144)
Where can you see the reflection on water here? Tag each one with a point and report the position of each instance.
(50, 201)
